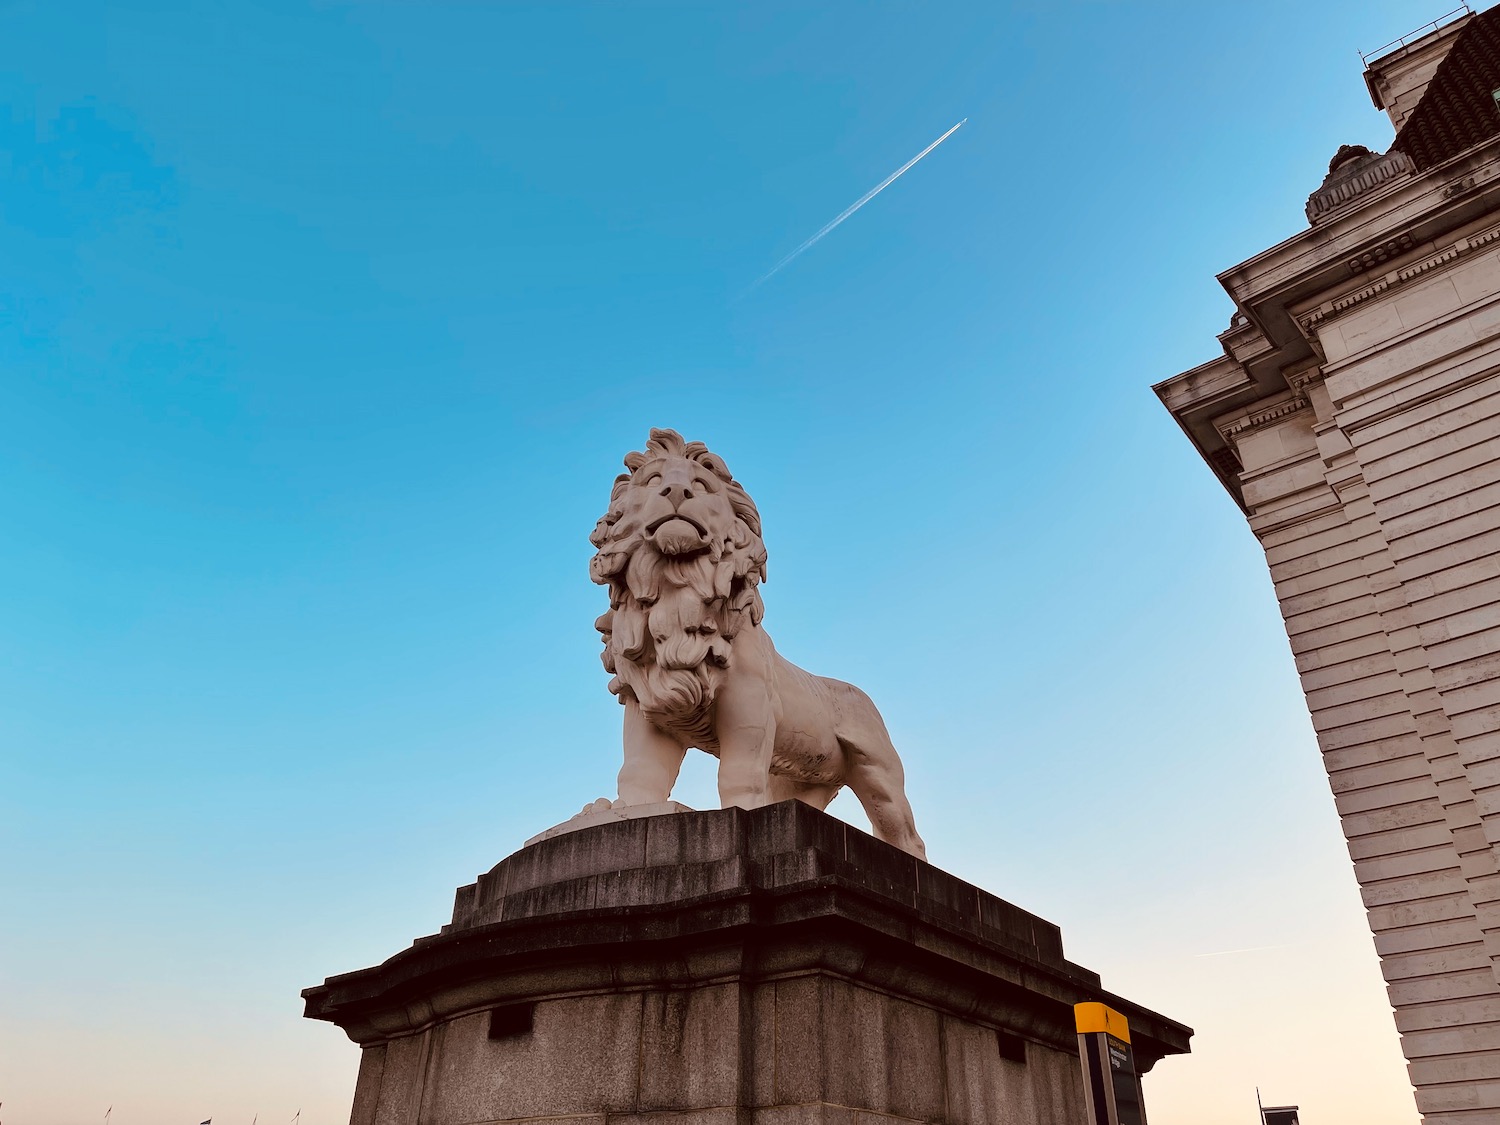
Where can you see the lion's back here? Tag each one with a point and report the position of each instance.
(811, 700)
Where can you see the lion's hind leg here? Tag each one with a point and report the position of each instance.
(880, 784)
(873, 770)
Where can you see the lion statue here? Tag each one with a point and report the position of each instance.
(681, 553)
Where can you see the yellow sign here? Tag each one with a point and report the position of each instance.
(1093, 1017)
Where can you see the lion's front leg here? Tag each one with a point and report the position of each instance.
(651, 763)
(746, 730)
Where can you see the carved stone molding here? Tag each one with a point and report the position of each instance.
(1355, 170)
(1263, 415)
(1391, 248)
(1299, 381)
(1272, 410)
(1244, 342)
(1310, 321)
(1483, 238)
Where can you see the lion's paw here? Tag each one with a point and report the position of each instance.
(603, 804)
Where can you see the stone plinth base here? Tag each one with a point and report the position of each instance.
(773, 967)
(592, 816)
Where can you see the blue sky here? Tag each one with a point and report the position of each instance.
(322, 331)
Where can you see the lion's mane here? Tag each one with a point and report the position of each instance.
(672, 620)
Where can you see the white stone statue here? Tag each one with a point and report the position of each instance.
(681, 553)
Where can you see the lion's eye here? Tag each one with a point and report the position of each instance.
(652, 479)
(703, 484)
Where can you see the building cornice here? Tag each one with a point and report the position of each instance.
(1398, 277)
(1394, 232)
(1263, 413)
(1268, 411)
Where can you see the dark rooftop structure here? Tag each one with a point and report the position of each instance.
(1458, 109)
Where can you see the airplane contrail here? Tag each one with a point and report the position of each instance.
(860, 202)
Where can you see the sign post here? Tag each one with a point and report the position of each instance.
(1111, 1089)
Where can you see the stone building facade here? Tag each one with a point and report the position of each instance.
(1355, 417)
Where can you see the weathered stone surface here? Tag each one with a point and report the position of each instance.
(817, 1113)
(568, 1063)
(400, 1078)
(368, 1085)
(674, 859)
(603, 811)
(690, 1054)
(773, 963)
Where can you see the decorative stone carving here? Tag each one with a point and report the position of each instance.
(680, 550)
(1396, 277)
(1263, 414)
(1384, 252)
(1353, 171)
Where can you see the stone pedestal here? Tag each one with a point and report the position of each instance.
(774, 967)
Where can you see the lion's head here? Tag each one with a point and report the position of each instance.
(681, 553)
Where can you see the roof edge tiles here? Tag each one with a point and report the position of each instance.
(1458, 110)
